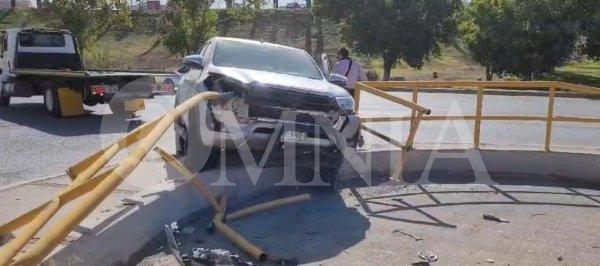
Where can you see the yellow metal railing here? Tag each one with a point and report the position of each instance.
(383, 88)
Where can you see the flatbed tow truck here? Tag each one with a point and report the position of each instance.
(47, 62)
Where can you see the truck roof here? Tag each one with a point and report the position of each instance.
(255, 42)
(49, 30)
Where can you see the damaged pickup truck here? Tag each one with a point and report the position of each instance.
(282, 99)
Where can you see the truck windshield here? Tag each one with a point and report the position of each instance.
(39, 39)
(265, 58)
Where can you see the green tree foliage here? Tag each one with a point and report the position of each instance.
(90, 20)
(188, 24)
(589, 12)
(407, 30)
(521, 37)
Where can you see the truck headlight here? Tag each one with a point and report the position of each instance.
(345, 103)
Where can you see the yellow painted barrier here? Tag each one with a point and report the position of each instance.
(383, 88)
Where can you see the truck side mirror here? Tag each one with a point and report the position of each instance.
(338, 79)
(193, 61)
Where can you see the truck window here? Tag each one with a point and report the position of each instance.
(38, 39)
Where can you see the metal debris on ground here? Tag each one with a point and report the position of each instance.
(174, 227)
(559, 258)
(489, 260)
(217, 257)
(417, 238)
(428, 256)
(172, 244)
(494, 218)
(538, 214)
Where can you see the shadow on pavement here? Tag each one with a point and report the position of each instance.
(34, 116)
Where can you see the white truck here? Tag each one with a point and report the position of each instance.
(47, 62)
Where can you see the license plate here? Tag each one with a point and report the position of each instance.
(294, 136)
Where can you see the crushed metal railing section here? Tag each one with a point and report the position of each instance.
(382, 89)
(418, 112)
(221, 216)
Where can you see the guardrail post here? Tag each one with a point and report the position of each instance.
(478, 111)
(550, 118)
(415, 99)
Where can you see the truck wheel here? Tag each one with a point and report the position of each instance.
(198, 155)
(51, 101)
(4, 100)
(118, 108)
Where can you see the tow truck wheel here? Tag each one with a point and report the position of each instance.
(51, 102)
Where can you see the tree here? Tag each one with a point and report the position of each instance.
(525, 38)
(407, 30)
(90, 20)
(188, 24)
(589, 12)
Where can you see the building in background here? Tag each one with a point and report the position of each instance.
(18, 4)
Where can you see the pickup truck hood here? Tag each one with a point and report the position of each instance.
(282, 81)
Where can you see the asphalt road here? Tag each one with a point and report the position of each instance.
(34, 144)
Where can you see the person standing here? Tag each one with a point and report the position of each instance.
(350, 69)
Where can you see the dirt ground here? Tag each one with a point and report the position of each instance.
(546, 225)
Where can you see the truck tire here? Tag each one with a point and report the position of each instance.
(4, 100)
(52, 102)
(198, 155)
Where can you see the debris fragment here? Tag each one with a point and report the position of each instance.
(105, 210)
(172, 244)
(489, 260)
(428, 256)
(538, 214)
(417, 238)
(217, 257)
(174, 227)
(420, 263)
(596, 246)
(494, 218)
(185, 258)
(128, 202)
(559, 258)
